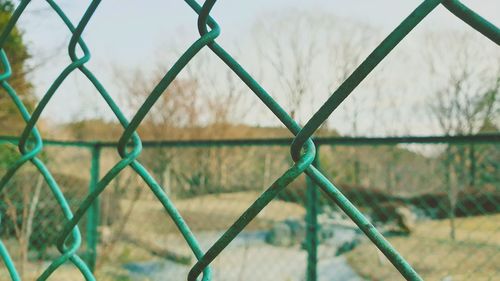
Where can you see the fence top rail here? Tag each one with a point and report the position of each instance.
(482, 138)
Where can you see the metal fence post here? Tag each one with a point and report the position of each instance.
(472, 167)
(93, 212)
(312, 224)
(357, 171)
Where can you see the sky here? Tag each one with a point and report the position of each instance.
(129, 35)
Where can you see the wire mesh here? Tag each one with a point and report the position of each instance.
(303, 150)
(438, 208)
(406, 190)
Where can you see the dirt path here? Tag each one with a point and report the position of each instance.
(248, 259)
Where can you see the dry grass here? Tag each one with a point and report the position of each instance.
(150, 222)
(209, 213)
(473, 255)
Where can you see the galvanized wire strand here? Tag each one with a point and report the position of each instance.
(4, 254)
(67, 254)
(362, 71)
(284, 180)
(127, 159)
(157, 190)
(30, 156)
(344, 90)
(382, 50)
(339, 141)
(473, 19)
(129, 134)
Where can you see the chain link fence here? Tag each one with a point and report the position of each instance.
(203, 179)
(436, 198)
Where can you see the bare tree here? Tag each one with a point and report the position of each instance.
(466, 99)
(467, 79)
(290, 47)
(25, 215)
(175, 109)
(204, 102)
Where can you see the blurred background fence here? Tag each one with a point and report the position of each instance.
(437, 199)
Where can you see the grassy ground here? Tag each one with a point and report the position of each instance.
(150, 224)
(206, 213)
(473, 255)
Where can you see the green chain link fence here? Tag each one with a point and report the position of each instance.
(437, 198)
(130, 148)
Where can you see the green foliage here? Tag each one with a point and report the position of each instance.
(6, 6)
(8, 155)
(17, 52)
(17, 198)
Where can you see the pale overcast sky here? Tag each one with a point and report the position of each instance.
(130, 34)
